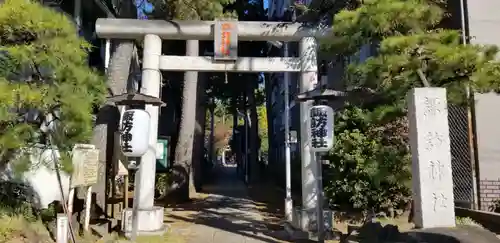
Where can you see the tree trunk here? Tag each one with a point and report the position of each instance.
(270, 127)
(182, 173)
(245, 138)
(212, 134)
(234, 110)
(254, 132)
(108, 116)
(199, 135)
(236, 143)
(108, 119)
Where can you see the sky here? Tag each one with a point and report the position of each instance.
(266, 3)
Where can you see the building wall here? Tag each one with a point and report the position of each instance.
(488, 147)
(482, 19)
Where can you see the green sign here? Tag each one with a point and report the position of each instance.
(162, 152)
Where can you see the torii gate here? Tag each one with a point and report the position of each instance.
(225, 60)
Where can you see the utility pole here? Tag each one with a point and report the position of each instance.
(475, 202)
(288, 180)
(288, 167)
(78, 15)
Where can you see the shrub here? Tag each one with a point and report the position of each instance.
(370, 163)
(17, 200)
(467, 221)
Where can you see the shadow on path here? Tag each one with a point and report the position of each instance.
(226, 214)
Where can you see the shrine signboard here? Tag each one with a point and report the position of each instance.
(321, 128)
(225, 41)
(85, 165)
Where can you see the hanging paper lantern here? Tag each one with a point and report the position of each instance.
(321, 128)
(134, 132)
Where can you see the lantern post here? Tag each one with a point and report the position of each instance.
(322, 137)
(137, 148)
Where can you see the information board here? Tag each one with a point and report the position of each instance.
(85, 160)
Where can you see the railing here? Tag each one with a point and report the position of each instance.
(488, 220)
(462, 170)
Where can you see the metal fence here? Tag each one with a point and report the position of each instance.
(462, 169)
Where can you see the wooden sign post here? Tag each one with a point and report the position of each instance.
(62, 228)
(85, 169)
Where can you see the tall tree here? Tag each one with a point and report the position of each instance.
(250, 11)
(371, 159)
(44, 70)
(108, 116)
(183, 185)
(254, 130)
(183, 169)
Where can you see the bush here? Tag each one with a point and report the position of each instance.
(370, 163)
(17, 200)
(467, 221)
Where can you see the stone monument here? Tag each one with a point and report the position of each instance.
(432, 183)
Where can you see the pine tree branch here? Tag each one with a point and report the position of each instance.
(422, 77)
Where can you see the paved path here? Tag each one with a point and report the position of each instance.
(224, 215)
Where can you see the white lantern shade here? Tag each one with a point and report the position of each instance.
(134, 132)
(321, 128)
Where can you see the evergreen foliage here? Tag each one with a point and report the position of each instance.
(44, 67)
(370, 166)
(191, 9)
(263, 133)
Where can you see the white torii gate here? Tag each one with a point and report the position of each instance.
(153, 31)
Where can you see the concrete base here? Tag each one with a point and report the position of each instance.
(150, 221)
(303, 224)
(305, 220)
(298, 235)
(289, 205)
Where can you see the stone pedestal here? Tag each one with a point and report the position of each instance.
(305, 220)
(303, 225)
(432, 182)
(150, 221)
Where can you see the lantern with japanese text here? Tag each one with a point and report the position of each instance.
(321, 128)
(134, 132)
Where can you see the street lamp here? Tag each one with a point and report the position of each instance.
(144, 172)
(288, 167)
(247, 124)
